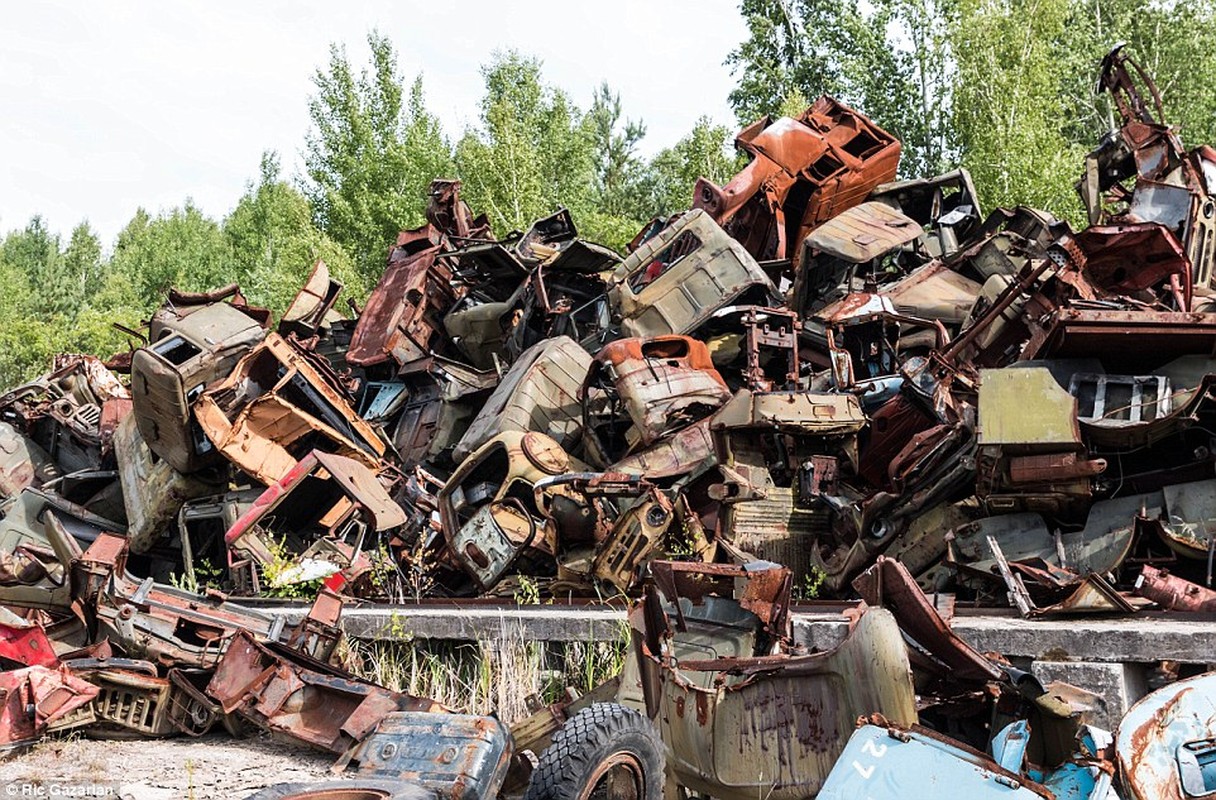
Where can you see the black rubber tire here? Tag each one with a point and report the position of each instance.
(592, 740)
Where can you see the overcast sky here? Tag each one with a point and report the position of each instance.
(109, 105)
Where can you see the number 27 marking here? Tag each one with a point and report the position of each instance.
(878, 751)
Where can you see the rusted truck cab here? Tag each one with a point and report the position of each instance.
(676, 280)
(187, 352)
(742, 714)
(488, 508)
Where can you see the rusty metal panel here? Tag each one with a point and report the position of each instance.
(811, 413)
(1128, 258)
(40, 536)
(132, 699)
(458, 756)
(946, 205)
(1188, 522)
(1121, 400)
(403, 313)
(639, 391)
(1100, 546)
(778, 730)
(278, 401)
(153, 491)
(22, 463)
(863, 233)
(685, 452)
(25, 643)
(325, 497)
(310, 305)
(62, 410)
(804, 170)
(489, 509)
(191, 711)
(1170, 591)
(1006, 395)
(362, 487)
(1164, 743)
(1191, 380)
(157, 622)
(777, 528)
(934, 291)
(635, 537)
(1141, 338)
(36, 699)
(306, 701)
(1093, 595)
(892, 426)
(888, 583)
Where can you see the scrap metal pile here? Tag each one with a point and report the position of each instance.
(98, 652)
(715, 696)
(815, 365)
(869, 382)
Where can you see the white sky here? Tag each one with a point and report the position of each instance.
(109, 105)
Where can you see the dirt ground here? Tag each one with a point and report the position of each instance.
(214, 766)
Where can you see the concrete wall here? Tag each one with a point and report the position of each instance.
(1107, 656)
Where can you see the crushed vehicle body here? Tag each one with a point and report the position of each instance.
(539, 393)
(491, 517)
(330, 512)
(740, 713)
(638, 391)
(191, 347)
(802, 171)
(278, 401)
(674, 282)
(1164, 743)
(319, 705)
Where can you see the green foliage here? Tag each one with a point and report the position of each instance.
(528, 591)
(48, 298)
(26, 347)
(274, 243)
(1025, 106)
(614, 141)
(59, 280)
(34, 252)
(810, 585)
(666, 188)
(531, 153)
(279, 570)
(889, 58)
(205, 576)
(1012, 66)
(180, 248)
(493, 676)
(1003, 87)
(371, 154)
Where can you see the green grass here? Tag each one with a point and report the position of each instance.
(488, 676)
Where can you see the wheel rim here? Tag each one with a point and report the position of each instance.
(618, 777)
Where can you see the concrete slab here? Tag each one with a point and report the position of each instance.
(1119, 685)
(1143, 638)
(470, 624)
